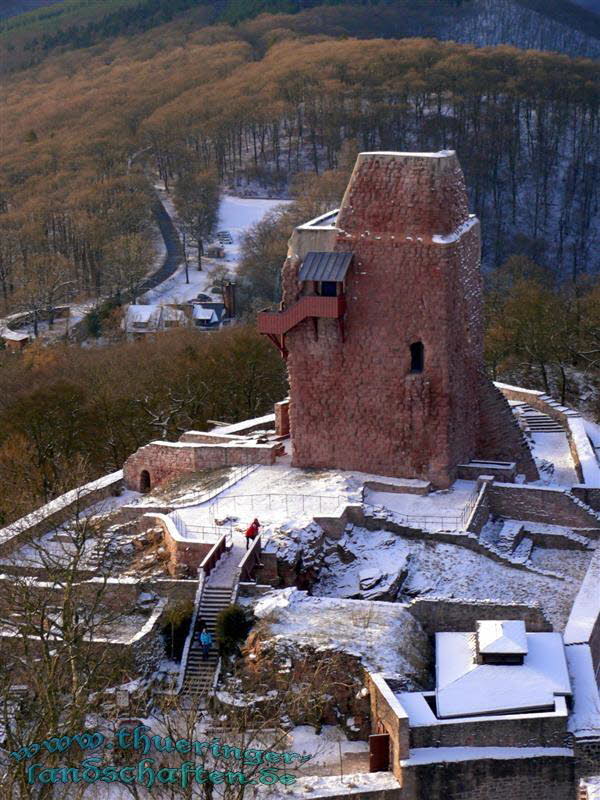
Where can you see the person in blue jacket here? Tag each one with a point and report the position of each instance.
(205, 643)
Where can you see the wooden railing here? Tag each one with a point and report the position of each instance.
(279, 322)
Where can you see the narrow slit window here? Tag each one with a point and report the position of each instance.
(417, 357)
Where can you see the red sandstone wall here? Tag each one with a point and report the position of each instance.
(355, 404)
(500, 437)
(164, 460)
(161, 463)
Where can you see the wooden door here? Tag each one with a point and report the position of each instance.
(379, 752)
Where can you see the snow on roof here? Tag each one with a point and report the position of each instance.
(141, 313)
(433, 755)
(448, 238)
(384, 636)
(465, 688)
(584, 719)
(206, 314)
(502, 636)
(13, 336)
(326, 220)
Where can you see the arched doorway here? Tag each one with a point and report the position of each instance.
(144, 481)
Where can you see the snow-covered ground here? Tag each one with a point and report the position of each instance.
(554, 448)
(432, 509)
(237, 215)
(324, 748)
(447, 570)
(280, 496)
(384, 636)
(357, 785)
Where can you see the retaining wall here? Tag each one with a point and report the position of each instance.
(541, 504)
(583, 625)
(582, 452)
(59, 510)
(117, 661)
(185, 555)
(438, 614)
(538, 777)
(164, 460)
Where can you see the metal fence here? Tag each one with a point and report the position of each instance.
(290, 503)
(237, 473)
(439, 521)
(200, 533)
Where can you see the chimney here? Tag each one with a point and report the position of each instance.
(229, 299)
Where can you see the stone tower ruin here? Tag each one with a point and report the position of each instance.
(382, 327)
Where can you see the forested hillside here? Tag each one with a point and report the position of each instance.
(10, 8)
(257, 104)
(557, 25)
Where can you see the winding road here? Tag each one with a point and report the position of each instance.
(174, 255)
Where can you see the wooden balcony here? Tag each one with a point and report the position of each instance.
(279, 322)
(275, 324)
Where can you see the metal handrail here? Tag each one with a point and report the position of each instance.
(269, 498)
(188, 642)
(452, 521)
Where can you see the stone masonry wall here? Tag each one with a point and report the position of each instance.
(540, 504)
(160, 462)
(500, 437)
(549, 731)
(438, 614)
(415, 277)
(539, 778)
(387, 716)
(356, 404)
(59, 510)
(481, 512)
(185, 556)
(282, 418)
(164, 460)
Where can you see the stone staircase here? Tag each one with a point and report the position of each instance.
(217, 593)
(537, 422)
(199, 674)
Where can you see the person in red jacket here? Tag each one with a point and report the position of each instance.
(252, 532)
